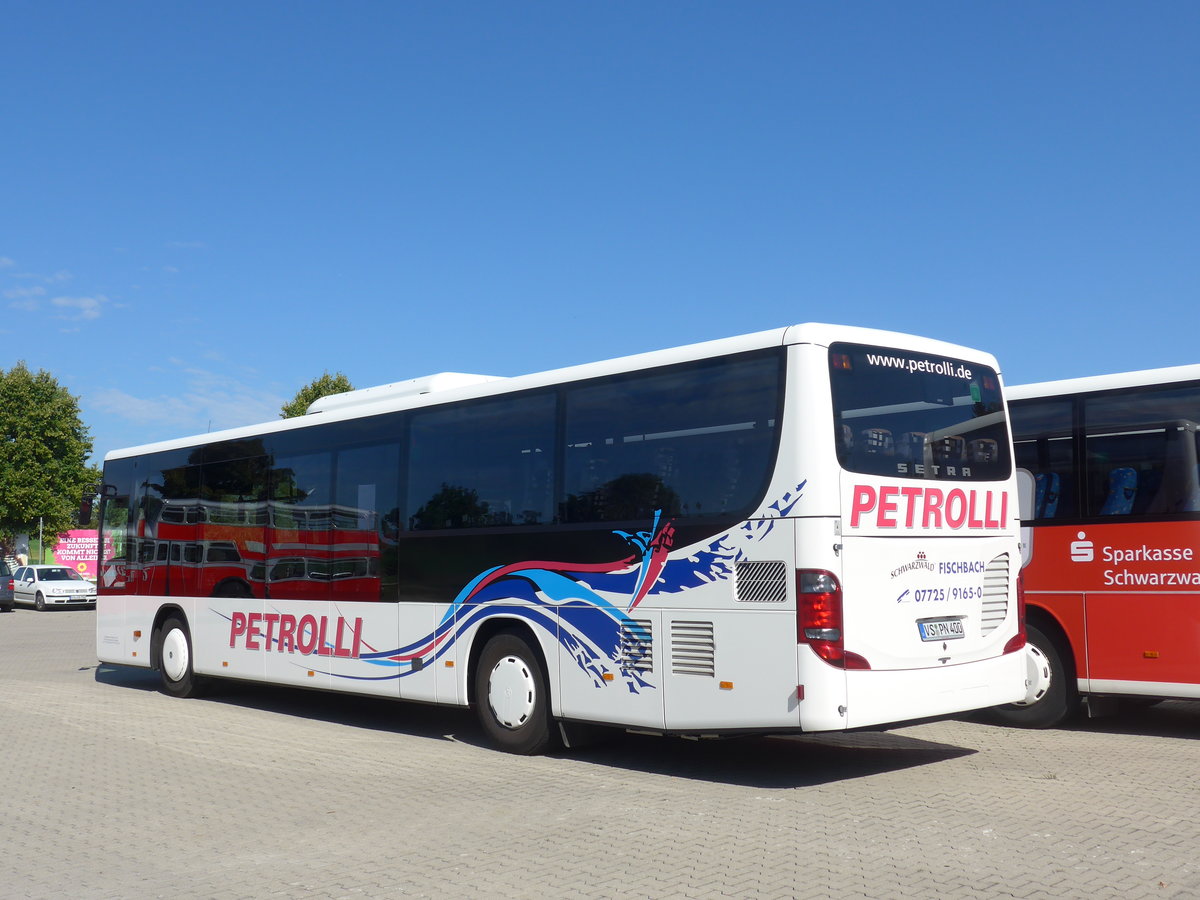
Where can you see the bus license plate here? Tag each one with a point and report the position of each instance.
(941, 629)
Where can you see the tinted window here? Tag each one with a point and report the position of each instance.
(115, 527)
(691, 441)
(914, 416)
(232, 520)
(299, 542)
(366, 522)
(484, 464)
(1141, 452)
(1045, 445)
(168, 507)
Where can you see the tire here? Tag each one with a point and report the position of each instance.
(512, 696)
(39, 602)
(175, 659)
(1052, 683)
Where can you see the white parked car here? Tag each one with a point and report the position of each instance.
(47, 586)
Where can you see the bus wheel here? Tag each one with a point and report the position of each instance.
(175, 659)
(39, 602)
(512, 696)
(1050, 696)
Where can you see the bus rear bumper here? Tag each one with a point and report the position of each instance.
(875, 698)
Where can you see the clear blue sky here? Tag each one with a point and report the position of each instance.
(203, 206)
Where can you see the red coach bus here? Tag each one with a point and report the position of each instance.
(1112, 583)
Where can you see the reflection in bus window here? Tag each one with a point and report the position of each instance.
(912, 416)
(482, 465)
(693, 442)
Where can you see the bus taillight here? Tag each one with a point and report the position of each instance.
(819, 618)
(1017, 641)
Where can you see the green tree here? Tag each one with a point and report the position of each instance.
(44, 447)
(327, 384)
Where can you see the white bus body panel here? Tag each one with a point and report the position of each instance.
(115, 641)
(727, 649)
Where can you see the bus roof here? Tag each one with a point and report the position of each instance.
(1092, 383)
(433, 389)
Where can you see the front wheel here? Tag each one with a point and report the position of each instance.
(175, 659)
(39, 602)
(512, 696)
(1051, 695)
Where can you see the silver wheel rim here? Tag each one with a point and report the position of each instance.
(1037, 675)
(512, 692)
(174, 654)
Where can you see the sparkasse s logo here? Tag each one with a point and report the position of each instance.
(1082, 550)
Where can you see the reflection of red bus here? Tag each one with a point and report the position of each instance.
(1113, 580)
(213, 549)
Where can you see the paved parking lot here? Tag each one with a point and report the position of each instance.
(110, 789)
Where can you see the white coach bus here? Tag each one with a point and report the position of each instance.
(813, 528)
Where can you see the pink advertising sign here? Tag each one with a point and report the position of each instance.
(77, 549)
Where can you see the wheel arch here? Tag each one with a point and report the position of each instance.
(1048, 624)
(166, 611)
(501, 624)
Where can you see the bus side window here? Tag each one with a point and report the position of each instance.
(1179, 489)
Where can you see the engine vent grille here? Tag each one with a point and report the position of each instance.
(995, 595)
(761, 582)
(637, 646)
(693, 648)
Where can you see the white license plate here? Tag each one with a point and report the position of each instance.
(941, 629)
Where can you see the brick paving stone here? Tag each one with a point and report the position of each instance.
(112, 790)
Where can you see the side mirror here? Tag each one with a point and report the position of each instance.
(85, 512)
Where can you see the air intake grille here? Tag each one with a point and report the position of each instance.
(995, 595)
(761, 582)
(637, 646)
(693, 648)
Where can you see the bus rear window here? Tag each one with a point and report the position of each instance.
(910, 415)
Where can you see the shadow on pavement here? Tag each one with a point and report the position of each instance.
(1168, 719)
(771, 762)
(766, 762)
(123, 676)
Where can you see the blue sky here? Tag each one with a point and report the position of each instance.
(206, 205)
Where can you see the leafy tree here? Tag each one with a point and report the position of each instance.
(327, 384)
(44, 447)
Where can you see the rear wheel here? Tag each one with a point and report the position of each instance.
(175, 659)
(1051, 695)
(512, 696)
(39, 602)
